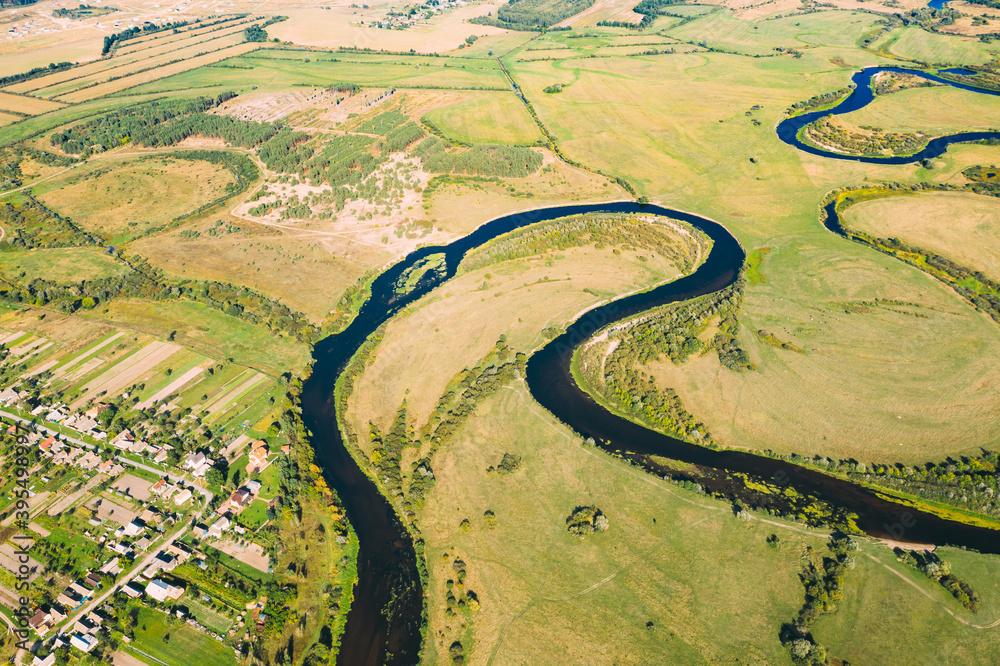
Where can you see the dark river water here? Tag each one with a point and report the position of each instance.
(788, 129)
(387, 568)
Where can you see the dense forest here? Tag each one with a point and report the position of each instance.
(532, 15)
(649, 9)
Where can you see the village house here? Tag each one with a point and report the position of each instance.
(258, 459)
(40, 621)
(161, 591)
(219, 526)
(48, 660)
(198, 463)
(132, 591)
(83, 643)
(122, 440)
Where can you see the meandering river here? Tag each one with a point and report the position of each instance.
(387, 563)
(862, 96)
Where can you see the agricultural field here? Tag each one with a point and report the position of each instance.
(117, 353)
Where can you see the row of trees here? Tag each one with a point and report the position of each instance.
(938, 570)
(112, 40)
(146, 282)
(824, 585)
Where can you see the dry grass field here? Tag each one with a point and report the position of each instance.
(125, 196)
(485, 117)
(340, 25)
(934, 110)
(425, 348)
(962, 227)
(59, 264)
(868, 385)
(27, 105)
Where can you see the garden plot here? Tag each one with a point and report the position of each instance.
(128, 371)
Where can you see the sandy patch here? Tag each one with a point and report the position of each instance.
(249, 554)
(133, 486)
(124, 659)
(202, 143)
(383, 231)
(108, 510)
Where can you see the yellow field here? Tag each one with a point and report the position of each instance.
(88, 71)
(24, 59)
(603, 10)
(6, 118)
(158, 40)
(126, 82)
(306, 271)
(962, 227)
(27, 105)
